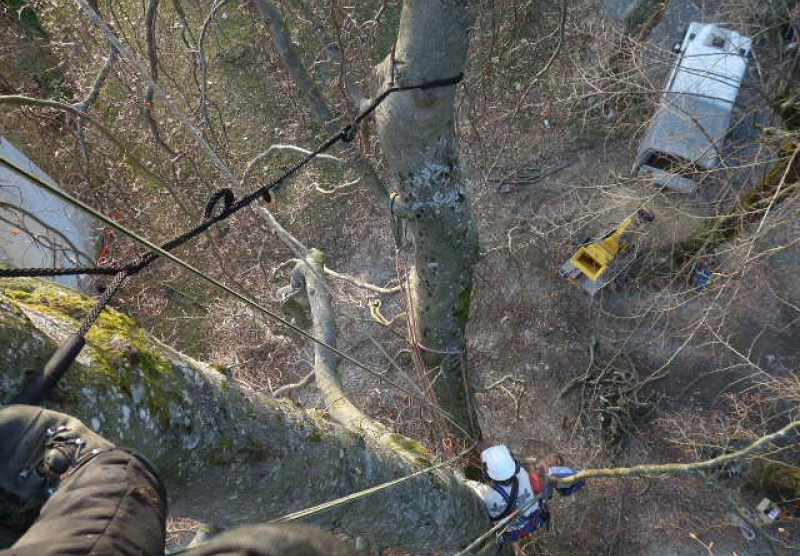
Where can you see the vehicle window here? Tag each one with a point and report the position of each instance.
(672, 164)
(718, 42)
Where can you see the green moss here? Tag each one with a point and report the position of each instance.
(228, 451)
(27, 19)
(123, 350)
(316, 436)
(223, 454)
(47, 298)
(411, 447)
(221, 369)
(255, 450)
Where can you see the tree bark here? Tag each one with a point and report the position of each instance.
(228, 455)
(308, 279)
(417, 137)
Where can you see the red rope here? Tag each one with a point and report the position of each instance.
(419, 347)
(424, 371)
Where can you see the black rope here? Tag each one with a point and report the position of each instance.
(231, 206)
(44, 272)
(109, 292)
(39, 384)
(226, 194)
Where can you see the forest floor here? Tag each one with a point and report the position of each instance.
(534, 329)
(531, 325)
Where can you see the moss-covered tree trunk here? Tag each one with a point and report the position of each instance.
(417, 137)
(228, 455)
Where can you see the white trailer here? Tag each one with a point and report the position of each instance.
(685, 135)
(37, 229)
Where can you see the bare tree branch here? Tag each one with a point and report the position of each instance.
(27, 214)
(308, 89)
(289, 388)
(292, 242)
(266, 154)
(341, 276)
(186, 29)
(125, 150)
(150, 19)
(88, 103)
(360, 283)
(296, 68)
(326, 363)
(203, 64)
(337, 188)
(659, 470)
(129, 57)
(414, 384)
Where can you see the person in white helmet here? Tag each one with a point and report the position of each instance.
(509, 490)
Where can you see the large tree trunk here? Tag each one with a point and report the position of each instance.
(417, 137)
(228, 455)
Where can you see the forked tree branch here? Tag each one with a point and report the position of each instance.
(307, 279)
(289, 388)
(99, 81)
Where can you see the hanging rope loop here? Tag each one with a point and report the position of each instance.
(226, 194)
(231, 205)
(349, 133)
(37, 388)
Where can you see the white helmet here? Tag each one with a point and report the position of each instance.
(500, 465)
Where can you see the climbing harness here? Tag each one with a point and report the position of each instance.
(498, 529)
(509, 498)
(525, 525)
(35, 389)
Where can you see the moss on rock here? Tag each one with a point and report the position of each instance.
(121, 350)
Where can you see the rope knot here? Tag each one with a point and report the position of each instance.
(228, 198)
(349, 133)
